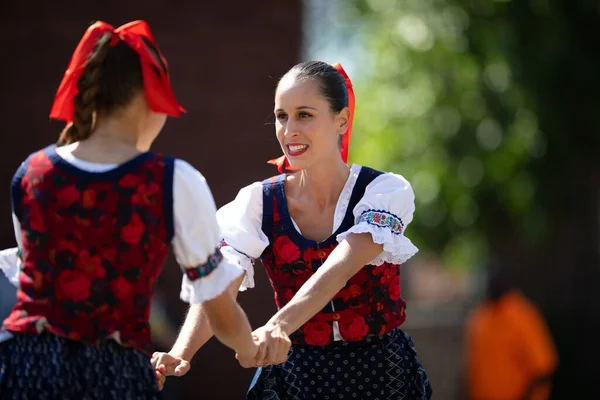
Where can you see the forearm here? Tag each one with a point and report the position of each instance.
(196, 329)
(341, 265)
(230, 324)
(194, 333)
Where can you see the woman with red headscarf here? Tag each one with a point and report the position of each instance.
(94, 218)
(331, 237)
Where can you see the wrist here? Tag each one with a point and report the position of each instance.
(181, 353)
(278, 324)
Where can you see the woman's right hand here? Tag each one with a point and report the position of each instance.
(165, 364)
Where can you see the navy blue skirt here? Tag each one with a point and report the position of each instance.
(385, 367)
(49, 367)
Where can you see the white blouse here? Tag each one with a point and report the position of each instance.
(384, 211)
(195, 239)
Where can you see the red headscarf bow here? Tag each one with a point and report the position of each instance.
(157, 88)
(283, 163)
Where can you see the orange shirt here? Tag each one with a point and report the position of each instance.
(508, 346)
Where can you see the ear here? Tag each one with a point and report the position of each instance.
(343, 119)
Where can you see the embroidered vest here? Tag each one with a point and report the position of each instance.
(369, 304)
(93, 245)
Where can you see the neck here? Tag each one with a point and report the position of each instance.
(116, 131)
(113, 140)
(324, 182)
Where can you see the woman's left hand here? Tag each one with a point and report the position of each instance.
(274, 345)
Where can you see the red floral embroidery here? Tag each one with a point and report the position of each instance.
(132, 232)
(285, 250)
(89, 198)
(35, 218)
(394, 288)
(82, 239)
(317, 333)
(120, 288)
(67, 196)
(72, 285)
(130, 181)
(146, 194)
(90, 265)
(351, 292)
(354, 330)
(369, 305)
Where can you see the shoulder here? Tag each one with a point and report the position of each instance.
(388, 183)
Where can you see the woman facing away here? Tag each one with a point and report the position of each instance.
(94, 219)
(332, 239)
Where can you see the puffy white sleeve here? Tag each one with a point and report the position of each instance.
(241, 223)
(207, 273)
(385, 211)
(10, 265)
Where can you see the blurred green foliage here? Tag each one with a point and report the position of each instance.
(451, 94)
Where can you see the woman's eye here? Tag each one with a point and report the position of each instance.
(281, 116)
(304, 115)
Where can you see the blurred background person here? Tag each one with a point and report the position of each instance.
(510, 352)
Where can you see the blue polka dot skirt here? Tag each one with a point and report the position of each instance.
(49, 367)
(385, 367)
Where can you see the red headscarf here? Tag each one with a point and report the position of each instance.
(157, 88)
(283, 163)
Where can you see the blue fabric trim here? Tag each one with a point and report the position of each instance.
(16, 192)
(168, 203)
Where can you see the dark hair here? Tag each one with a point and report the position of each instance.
(331, 83)
(110, 78)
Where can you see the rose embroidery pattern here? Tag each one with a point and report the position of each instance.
(84, 286)
(369, 305)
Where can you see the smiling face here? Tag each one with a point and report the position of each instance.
(307, 129)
